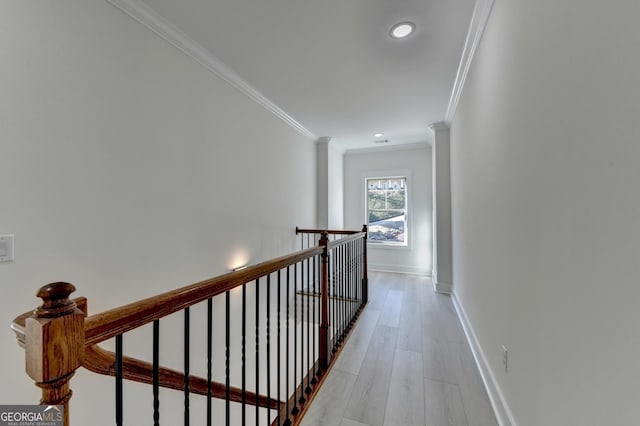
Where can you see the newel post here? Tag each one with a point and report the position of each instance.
(54, 344)
(324, 304)
(365, 278)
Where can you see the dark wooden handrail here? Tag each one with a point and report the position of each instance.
(328, 231)
(103, 326)
(59, 336)
(345, 240)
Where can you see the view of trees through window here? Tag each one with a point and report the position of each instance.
(387, 209)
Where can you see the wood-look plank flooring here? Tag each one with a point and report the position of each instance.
(406, 363)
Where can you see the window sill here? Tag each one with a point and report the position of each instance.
(384, 246)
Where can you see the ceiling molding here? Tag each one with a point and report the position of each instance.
(481, 13)
(156, 23)
(439, 126)
(388, 148)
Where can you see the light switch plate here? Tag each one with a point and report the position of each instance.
(6, 248)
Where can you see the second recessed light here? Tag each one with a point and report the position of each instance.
(402, 30)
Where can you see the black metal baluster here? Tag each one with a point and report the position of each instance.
(186, 366)
(351, 280)
(278, 355)
(209, 358)
(345, 290)
(119, 390)
(268, 345)
(343, 276)
(228, 358)
(338, 290)
(257, 351)
(301, 400)
(356, 274)
(295, 338)
(354, 284)
(315, 296)
(287, 421)
(334, 289)
(308, 369)
(340, 305)
(156, 373)
(244, 354)
(359, 267)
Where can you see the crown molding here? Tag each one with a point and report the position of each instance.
(323, 140)
(388, 148)
(159, 25)
(438, 127)
(481, 13)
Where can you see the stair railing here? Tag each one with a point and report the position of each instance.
(303, 307)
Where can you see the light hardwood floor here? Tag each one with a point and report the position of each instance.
(406, 363)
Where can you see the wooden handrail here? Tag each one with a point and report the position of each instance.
(328, 231)
(345, 240)
(103, 326)
(62, 326)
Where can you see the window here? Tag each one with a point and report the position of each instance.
(387, 210)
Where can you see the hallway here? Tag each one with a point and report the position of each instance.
(406, 363)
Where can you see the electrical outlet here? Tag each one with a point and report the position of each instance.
(505, 358)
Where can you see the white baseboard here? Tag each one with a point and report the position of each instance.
(440, 287)
(500, 407)
(400, 269)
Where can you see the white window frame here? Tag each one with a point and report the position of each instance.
(384, 174)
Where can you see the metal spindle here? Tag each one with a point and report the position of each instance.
(244, 353)
(340, 292)
(209, 358)
(268, 344)
(119, 390)
(156, 373)
(228, 356)
(278, 354)
(307, 371)
(257, 351)
(294, 410)
(186, 366)
(301, 400)
(315, 340)
(334, 293)
(287, 349)
(351, 272)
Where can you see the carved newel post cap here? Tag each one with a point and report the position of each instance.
(56, 302)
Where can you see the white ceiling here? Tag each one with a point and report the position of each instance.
(331, 65)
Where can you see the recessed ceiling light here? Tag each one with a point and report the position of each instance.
(378, 135)
(402, 30)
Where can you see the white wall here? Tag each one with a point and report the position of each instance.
(546, 208)
(128, 169)
(357, 166)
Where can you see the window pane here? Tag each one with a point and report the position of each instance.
(386, 209)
